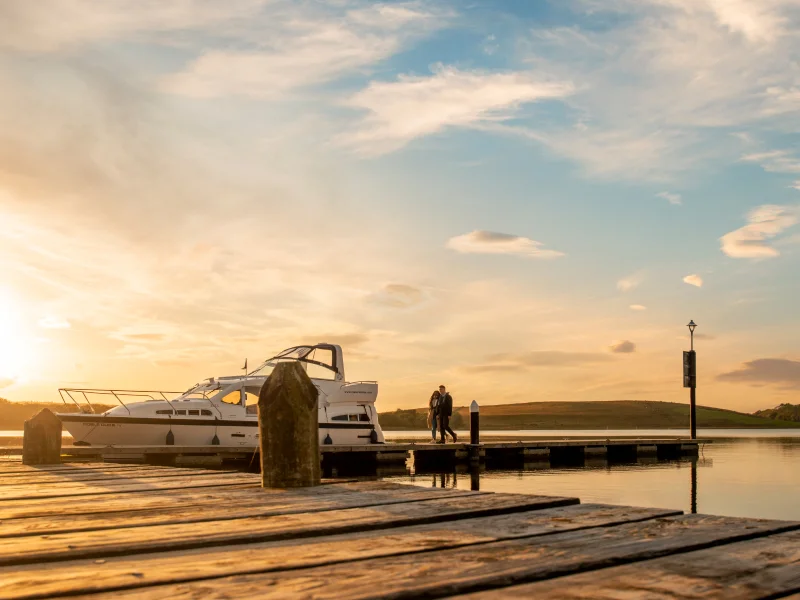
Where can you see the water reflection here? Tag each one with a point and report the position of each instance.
(747, 477)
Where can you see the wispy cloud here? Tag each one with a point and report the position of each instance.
(694, 280)
(540, 358)
(398, 295)
(766, 370)
(630, 282)
(623, 347)
(637, 307)
(670, 197)
(415, 106)
(775, 161)
(490, 242)
(53, 322)
(306, 47)
(764, 223)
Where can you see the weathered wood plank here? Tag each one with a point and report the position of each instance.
(155, 538)
(11, 466)
(192, 497)
(237, 506)
(109, 487)
(481, 566)
(42, 480)
(757, 568)
(124, 572)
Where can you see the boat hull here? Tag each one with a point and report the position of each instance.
(103, 430)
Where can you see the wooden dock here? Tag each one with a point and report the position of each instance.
(556, 452)
(118, 531)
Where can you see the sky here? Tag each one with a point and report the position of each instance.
(525, 201)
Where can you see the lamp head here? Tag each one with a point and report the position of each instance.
(691, 326)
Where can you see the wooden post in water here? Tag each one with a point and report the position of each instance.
(288, 425)
(41, 440)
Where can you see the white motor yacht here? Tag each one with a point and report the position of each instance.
(223, 410)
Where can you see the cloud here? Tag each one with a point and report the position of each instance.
(766, 370)
(622, 347)
(764, 223)
(51, 322)
(637, 307)
(489, 242)
(626, 284)
(541, 358)
(416, 106)
(51, 25)
(301, 48)
(346, 340)
(398, 295)
(670, 197)
(6, 382)
(775, 161)
(659, 82)
(694, 280)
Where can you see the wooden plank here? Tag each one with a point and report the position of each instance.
(18, 467)
(155, 538)
(481, 566)
(203, 496)
(93, 476)
(113, 574)
(165, 483)
(237, 506)
(757, 568)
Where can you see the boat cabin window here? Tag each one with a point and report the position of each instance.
(351, 418)
(234, 397)
(324, 356)
(251, 403)
(181, 412)
(165, 412)
(194, 412)
(206, 413)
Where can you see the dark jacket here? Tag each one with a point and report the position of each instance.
(446, 405)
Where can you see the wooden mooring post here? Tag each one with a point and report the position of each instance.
(288, 425)
(41, 440)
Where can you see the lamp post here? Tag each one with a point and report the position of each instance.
(690, 379)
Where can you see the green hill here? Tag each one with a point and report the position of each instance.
(14, 414)
(617, 414)
(782, 412)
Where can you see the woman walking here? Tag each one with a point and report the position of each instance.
(433, 413)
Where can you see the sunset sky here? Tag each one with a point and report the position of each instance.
(526, 201)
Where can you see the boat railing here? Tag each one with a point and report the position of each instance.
(130, 395)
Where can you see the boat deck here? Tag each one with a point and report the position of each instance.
(117, 530)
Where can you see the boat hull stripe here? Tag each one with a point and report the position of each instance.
(98, 420)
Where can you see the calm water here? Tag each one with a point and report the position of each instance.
(743, 473)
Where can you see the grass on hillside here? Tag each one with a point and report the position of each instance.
(618, 414)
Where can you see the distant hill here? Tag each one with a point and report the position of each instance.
(782, 412)
(14, 414)
(617, 414)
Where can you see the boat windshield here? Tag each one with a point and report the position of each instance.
(200, 391)
(312, 358)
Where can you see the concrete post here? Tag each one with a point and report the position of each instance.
(288, 424)
(41, 441)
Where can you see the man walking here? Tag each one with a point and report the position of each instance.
(445, 412)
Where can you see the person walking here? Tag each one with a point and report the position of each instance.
(433, 413)
(445, 412)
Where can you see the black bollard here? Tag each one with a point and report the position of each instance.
(474, 424)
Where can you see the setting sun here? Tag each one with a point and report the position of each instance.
(16, 349)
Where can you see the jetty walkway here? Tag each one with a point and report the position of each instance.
(142, 531)
(554, 451)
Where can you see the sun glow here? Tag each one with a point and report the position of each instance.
(16, 345)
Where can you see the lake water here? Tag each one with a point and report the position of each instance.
(743, 473)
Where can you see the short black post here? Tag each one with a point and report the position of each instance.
(474, 424)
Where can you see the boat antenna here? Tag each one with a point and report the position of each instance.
(245, 367)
